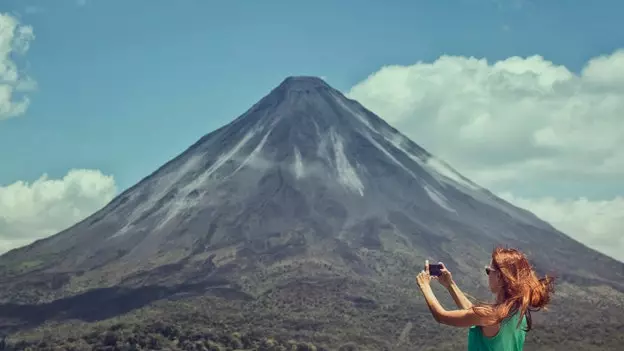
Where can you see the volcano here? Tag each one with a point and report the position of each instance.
(308, 202)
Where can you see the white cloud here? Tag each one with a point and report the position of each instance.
(597, 224)
(14, 40)
(30, 211)
(512, 119)
(516, 123)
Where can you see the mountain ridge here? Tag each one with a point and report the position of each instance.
(306, 185)
(257, 132)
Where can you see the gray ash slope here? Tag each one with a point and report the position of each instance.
(306, 178)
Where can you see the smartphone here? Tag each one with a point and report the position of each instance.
(435, 269)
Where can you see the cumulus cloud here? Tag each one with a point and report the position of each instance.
(15, 40)
(30, 211)
(597, 224)
(514, 123)
(511, 119)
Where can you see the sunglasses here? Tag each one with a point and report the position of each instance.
(489, 270)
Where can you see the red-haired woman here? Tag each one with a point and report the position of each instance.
(501, 325)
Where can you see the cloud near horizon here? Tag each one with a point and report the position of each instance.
(518, 122)
(595, 223)
(31, 211)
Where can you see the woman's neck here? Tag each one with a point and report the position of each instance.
(500, 297)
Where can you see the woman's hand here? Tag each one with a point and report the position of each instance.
(445, 278)
(423, 279)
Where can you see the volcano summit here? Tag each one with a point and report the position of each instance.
(308, 207)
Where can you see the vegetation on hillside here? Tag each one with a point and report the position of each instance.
(292, 320)
(163, 336)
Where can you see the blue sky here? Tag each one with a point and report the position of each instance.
(124, 86)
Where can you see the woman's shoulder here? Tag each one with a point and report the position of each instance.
(513, 322)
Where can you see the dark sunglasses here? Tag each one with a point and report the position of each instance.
(488, 270)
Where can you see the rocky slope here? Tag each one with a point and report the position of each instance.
(305, 189)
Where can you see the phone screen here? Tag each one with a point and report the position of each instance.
(435, 269)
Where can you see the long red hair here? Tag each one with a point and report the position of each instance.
(522, 290)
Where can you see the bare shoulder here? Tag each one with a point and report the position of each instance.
(466, 318)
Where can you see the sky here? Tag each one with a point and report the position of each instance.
(524, 97)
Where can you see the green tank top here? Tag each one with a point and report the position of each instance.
(510, 337)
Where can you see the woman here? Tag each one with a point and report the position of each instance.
(501, 325)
